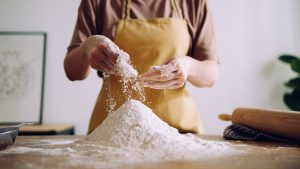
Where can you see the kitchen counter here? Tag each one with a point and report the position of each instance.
(260, 155)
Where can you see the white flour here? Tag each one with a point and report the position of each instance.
(124, 67)
(125, 70)
(132, 134)
(128, 80)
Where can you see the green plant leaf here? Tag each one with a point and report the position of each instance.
(287, 58)
(295, 65)
(292, 100)
(294, 83)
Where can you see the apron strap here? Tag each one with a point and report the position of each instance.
(126, 9)
(177, 8)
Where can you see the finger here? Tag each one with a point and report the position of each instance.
(99, 55)
(105, 65)
(179, 74)
(171, 76)
(110, 55)
(95, 52)
(107, 62)
(123, 55)
(161, 71)
(168, 69)
(153, 68)
(111, 46)
(151, 74)
(176, 86)
(162, 74)
(105, 50)
(174, 64)
(100, 65)
(160, 85)
(168, 61)
(112, 60)
(108, 65)
(102, 47)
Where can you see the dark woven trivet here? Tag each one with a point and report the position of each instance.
(240, 132)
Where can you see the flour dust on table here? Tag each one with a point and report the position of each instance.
(132, 134)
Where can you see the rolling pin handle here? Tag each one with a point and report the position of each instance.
(224, 117)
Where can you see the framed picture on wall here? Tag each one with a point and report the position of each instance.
(22, 72)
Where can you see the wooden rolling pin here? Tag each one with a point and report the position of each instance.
(277, 122)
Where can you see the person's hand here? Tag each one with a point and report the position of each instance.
(171, 75)
(101, 53)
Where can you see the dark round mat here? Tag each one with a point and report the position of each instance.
(240, 132)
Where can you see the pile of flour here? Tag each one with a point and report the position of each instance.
(133, 134)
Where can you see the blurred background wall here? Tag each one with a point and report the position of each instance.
(251, 34)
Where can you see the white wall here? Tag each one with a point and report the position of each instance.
(65, 101)
(250, 34)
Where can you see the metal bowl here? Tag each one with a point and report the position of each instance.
(8, 136)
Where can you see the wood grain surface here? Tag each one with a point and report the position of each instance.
(260, 155)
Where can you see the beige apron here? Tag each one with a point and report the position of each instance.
(151, 42)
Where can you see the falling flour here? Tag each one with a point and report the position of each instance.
(128, 76)
(129, 84)
(124, 67)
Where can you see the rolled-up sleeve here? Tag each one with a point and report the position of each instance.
(200, 22)
(85, 24)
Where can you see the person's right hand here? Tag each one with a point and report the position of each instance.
(101, 53)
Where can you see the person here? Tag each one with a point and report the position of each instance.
(174, 34)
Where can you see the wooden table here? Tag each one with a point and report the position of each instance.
(258, 156)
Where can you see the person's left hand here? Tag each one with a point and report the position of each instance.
(171, 75)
